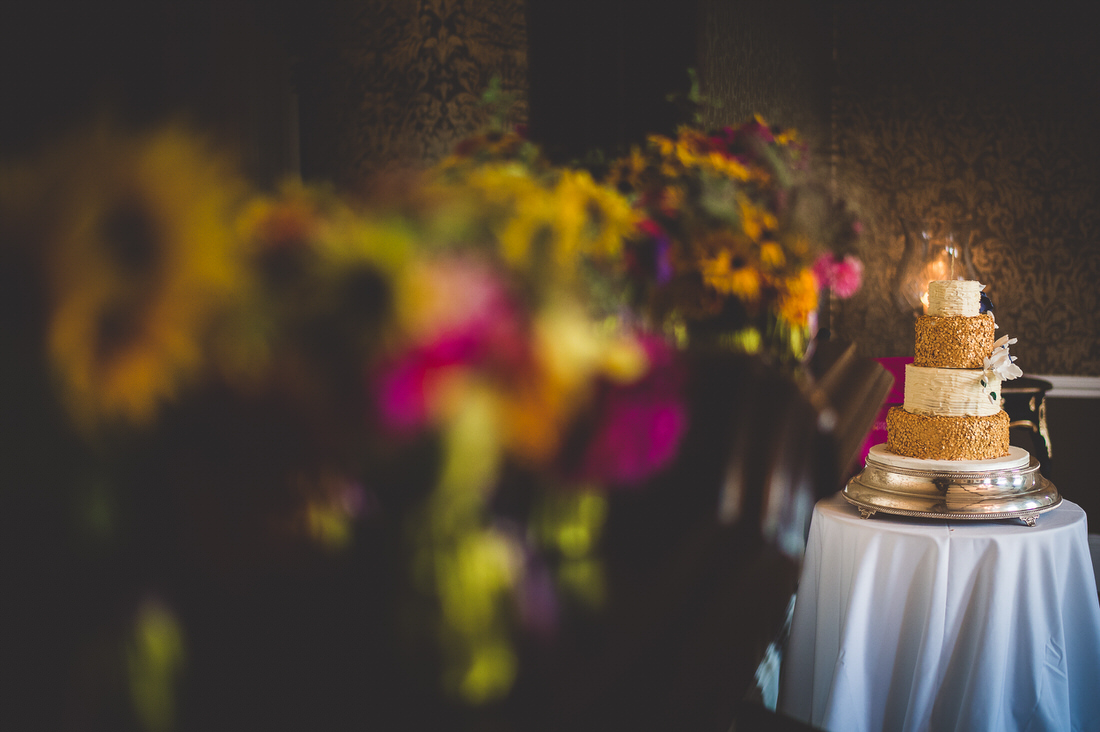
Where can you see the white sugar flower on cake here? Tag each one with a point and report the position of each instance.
(1000, 362)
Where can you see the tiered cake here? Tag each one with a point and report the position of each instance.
(947, 453)
(952, 404)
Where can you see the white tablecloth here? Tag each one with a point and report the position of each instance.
(913, 624)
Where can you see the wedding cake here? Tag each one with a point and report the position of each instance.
(952, 395)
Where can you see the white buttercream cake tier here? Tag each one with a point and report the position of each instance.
(941, 392)
(954, 297)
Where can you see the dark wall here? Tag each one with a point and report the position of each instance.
(390, 84)
(58, 64)
(601, 73)
(223, 68)
(1072, 424)
(987, 118)
(773, 59)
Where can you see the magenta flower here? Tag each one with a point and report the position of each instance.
(476, 324)
(403, 388)
(638, 426)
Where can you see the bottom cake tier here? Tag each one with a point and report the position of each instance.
(946, 438)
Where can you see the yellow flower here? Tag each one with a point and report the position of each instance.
(612, 220)
(513, 204)
(569, 350)
(629, 169)
(687, 156)
(291, 218)
(755, 221)
(744, 283)
(142, 258)
(541, 221)
(741, 282)
(771, 255)
(728, 167)
(536, 406)
(569, 216)
(524, 231)
(798, 298)
(663, 144)
(787, 137)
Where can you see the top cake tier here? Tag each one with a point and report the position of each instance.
(954, 297)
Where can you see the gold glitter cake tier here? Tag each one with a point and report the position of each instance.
(946, 438)
(954, 341)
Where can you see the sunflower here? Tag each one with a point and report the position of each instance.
(142, 256)
(720, 273)
(590, 220)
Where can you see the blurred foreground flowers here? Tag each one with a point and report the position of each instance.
(425, 394)
(284, 364)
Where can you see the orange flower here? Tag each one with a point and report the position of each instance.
(798, 298)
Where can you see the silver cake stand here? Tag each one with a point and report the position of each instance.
(979, 490)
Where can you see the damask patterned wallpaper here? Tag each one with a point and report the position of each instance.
(989, 121)
(386, 84)
(771, 59)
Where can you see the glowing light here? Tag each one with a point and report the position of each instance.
(941, 265)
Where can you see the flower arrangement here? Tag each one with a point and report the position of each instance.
(292, 370)
(736, 236)
(416, 392)
(545, 222)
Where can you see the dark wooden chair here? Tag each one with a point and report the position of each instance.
(1025, 403)
(702, 564)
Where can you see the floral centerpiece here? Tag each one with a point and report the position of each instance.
(405, 417)
(737, 238)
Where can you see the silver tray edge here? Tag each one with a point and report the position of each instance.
(991, 516)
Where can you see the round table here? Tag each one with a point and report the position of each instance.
(920, 624)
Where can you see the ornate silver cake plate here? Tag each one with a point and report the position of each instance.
(978, 490)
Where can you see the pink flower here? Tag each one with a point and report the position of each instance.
(847, 276)
(842, 276)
